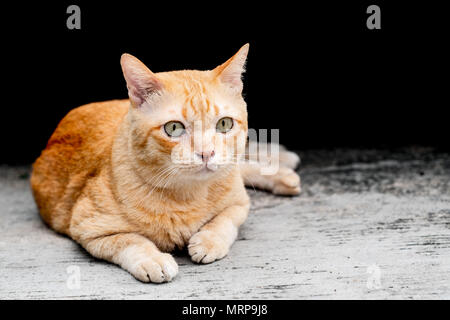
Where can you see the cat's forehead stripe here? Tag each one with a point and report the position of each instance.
(192, 103)
(198, 101)
(199, 106)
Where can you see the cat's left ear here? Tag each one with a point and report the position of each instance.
(231, 71)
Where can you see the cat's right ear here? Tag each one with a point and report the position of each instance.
(141, 82)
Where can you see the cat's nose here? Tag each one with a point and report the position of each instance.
(205, 156)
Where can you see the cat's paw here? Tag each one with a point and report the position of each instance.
(156, 268)
(286, 182)
(289, 159)
(206, 246)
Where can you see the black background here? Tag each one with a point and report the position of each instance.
(173, 309)
(314, 70)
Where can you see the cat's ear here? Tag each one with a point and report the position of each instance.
(141, 82)
(231, 71)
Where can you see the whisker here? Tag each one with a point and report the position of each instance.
(159, 178)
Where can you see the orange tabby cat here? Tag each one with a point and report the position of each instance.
(132, 179)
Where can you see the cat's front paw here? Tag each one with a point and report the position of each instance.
(155, 268)
(286, 182)
(206, 246)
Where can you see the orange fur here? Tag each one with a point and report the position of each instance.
(101, 178)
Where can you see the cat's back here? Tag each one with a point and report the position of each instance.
(77, 150)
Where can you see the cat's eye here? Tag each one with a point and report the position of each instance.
(174, 128)
(224, 125)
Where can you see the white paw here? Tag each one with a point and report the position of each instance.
(286, 182)
(158, 267)
(289, 159)
(206, 246)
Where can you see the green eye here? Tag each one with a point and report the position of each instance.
(224, 125)
(174, 128)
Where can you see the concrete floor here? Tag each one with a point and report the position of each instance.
(370, 224)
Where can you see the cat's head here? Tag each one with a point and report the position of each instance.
(187, 124)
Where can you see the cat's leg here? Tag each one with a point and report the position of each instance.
(109, 237)
(289, 159)
(258, 156)
(215, 238)
(136, 254)
(258, 151)
(284, 182)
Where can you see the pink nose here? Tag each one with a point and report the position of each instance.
(205, 156)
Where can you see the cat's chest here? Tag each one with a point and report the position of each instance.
(175, 224)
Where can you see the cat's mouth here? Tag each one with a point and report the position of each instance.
(203, 170)
(207, 168)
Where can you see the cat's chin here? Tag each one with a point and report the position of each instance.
(204, 173)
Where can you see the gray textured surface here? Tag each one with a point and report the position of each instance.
(359, 212)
